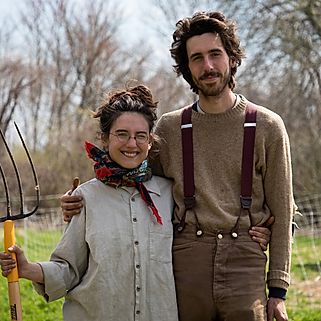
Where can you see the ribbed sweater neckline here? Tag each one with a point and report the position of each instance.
(231, 113)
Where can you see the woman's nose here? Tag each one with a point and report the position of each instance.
(132, 141)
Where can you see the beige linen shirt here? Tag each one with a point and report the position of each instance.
(114, 262)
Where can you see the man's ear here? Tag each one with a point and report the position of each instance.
(233, 63)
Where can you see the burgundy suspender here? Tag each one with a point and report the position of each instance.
(248, 156)
(188, 157)
(188, 162)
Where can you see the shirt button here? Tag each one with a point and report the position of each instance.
(134, 219)
(137, 312)
(133, 199)
(219, 236)
(138, 289)
(234, 235)
(136, 242)
(137, 266)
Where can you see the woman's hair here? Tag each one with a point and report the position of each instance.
(138, 99)
(198, 24)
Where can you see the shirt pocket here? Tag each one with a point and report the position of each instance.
(160, 245)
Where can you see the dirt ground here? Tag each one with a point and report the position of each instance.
(311, 289)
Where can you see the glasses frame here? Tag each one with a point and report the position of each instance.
(124, 140)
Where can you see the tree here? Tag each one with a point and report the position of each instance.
(282, 71)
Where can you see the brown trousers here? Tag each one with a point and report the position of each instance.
(218, 277)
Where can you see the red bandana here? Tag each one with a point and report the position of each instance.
(110, 173)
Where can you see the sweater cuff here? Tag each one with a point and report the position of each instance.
(277, 293)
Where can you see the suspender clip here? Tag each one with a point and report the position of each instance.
(189, 202)
(246, 202)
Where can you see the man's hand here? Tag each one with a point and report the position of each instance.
(262, 234)
(71, 205)
(276, 310)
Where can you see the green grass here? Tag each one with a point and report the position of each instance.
(301, 305)
(34, 307)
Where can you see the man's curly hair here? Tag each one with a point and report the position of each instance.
(198, 24)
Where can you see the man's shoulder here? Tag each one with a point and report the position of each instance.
(172, 114)
(265, 114)
(169, 121)
(269, 122)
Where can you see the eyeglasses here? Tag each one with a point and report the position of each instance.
(124, 137)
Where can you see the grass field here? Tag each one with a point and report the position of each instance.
(304, 297)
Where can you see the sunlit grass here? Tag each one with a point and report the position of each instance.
(302, 304)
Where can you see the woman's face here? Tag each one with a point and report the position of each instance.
(129, 140)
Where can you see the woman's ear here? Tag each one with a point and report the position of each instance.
(151, 140)
(104, 140)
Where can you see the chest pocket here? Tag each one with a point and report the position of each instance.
(161, 241)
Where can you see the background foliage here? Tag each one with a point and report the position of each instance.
(59, 57)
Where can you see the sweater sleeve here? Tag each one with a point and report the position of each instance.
(279, 199)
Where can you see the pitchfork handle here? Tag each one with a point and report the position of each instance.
(13, 277)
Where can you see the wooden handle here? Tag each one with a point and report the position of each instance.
(15, 301)
(13, 277)
(10, 240)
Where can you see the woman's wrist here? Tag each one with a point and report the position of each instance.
(32, 272)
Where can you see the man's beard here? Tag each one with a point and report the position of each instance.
(215, 89)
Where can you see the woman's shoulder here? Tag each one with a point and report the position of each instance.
(90, 187)
(162, 182)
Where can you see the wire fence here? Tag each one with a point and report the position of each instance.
(42, 231)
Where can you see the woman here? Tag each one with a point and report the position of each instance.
(114, 260)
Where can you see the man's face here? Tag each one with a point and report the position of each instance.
(209, 64)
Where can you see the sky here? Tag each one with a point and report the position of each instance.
(132, 10)
(132, 30)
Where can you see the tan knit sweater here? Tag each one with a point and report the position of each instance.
(218, 141)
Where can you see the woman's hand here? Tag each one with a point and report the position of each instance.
(26, 270)
(262, 234)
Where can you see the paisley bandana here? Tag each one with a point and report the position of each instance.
(110, 173)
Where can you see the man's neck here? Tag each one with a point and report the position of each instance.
(216, 105)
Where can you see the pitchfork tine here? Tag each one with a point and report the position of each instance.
(9, 230)
(16, 171)
(6, 190)
(21, 214)
(33, 172)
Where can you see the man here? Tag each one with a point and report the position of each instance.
(219, 271)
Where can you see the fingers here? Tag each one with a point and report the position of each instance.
(6, 263)
(71, 209)
(261, 235)
(276, 309)
(269, 222)
(67, 198)
(71, 205)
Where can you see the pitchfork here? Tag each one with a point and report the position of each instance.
(9, 234)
